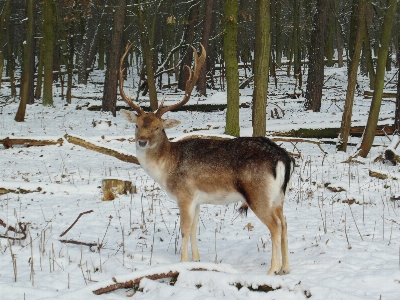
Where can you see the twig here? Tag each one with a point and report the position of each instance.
(81, 243)
(80, 215)
(355, 222)
(22, 226)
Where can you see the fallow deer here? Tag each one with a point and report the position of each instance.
(253, 170)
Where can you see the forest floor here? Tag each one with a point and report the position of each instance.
(343, 224)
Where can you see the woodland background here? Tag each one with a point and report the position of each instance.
(47, 41)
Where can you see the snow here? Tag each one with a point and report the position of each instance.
(337, 250)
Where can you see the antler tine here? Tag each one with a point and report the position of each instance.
(162, 102)
(190, 83)
(126, 98)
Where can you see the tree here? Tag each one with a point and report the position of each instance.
(2, 16)
(296, 41)
(397, 111)
(114, 54)
(261, 66)
(188, 38)
(315, 80)
(352, 79)
(372, 122)
(201, 82)
(9, 29)
(28, 67)
(147, 57)
(48, 51)
(231, 67)
(90, 19)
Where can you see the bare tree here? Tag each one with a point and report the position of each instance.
(261, 66)
(315, 80)
(114, 54)
(369, 132)
(231, 67)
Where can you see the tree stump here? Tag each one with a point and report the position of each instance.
(112, 186)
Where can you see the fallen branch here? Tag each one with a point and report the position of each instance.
(101, 149)
(377, 174)
(297, 140)
(131, 283)
(22, 227)
(72, 225)
(99, 246)
(18, 191)
(11, 141)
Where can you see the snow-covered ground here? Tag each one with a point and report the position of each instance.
(337, 250)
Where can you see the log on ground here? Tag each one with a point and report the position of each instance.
(356, 131)
(11, 141)
(98, 148)
(384, 95)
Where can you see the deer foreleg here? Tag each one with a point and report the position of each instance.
(193, 239)
(187, 212)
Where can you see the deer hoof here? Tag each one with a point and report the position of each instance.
(284, 271)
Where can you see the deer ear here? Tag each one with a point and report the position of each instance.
(170, 123)
(130, 116)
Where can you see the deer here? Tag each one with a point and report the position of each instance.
(195, 171)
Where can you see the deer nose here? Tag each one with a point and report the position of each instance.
(142, 143)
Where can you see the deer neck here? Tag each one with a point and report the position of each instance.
(154, 160)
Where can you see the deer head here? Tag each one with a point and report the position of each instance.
(150, 126)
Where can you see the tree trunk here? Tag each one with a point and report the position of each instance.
(315, 80)
(27, 70)
(261, 66)
(397, 111)
(90, 23)
(148, 58)
(98, 31)
(369, 133)
(330, 37)
(100, 63)
(278, 33)
(113, 57)
(188, 38)
(6, 8)
(39, 80)
(70, 67)
(10, 49)
(368, 55)
(296, 42)
(202, 81)
(231, 67)
(339, 38)
(48, 51)
(351, 82)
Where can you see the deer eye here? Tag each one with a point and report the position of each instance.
(136, 126)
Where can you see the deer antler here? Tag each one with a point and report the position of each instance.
(190, 83)
(126, 98)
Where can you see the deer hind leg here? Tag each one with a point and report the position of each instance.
(193, 239)
(284, 244)
(274, 225)
(271, 218)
